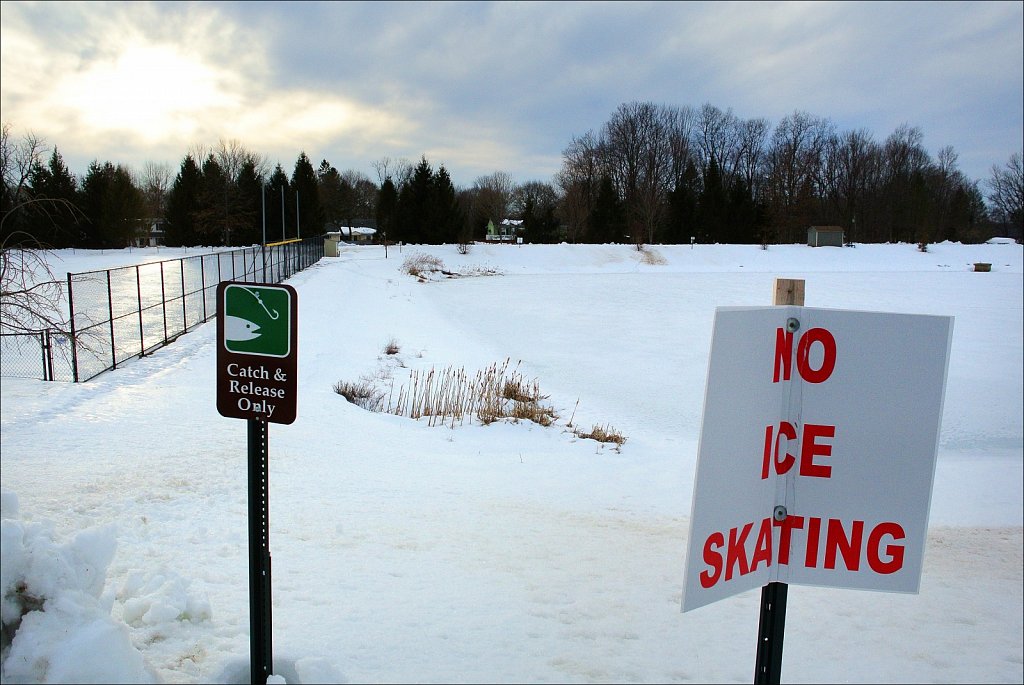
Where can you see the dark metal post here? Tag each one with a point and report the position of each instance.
(261, 660)
(184, 311)
(163, 299)
(49, 354)
(770, 633)
(110, 310)
(138, 295)
(74, 339)
(202, 282)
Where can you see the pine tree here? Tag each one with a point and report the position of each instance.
(712, 207)
(211, 211)
(412, 212)
(308, 218)
(56, 219)
(387, 205)
(446, 217)
(608, 218)
(250, 205)
(181, 203)
(682, 207)
(277, 214)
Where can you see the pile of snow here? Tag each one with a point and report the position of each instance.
(54, 607)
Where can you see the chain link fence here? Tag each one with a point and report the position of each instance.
(119, 314)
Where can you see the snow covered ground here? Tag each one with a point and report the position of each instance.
(509, 552)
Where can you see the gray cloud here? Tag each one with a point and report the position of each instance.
(481, 87)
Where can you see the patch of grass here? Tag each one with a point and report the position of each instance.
(602, 434)
(450, 396)
(420, 265)
(362, 393)
(392, 347)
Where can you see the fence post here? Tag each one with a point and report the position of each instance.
(202, 281)
(74, 338)
(163, 300)
(110, 310)
(184, 311)
(42, 349)
(138, 294)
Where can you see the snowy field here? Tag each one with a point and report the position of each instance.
(509, 552)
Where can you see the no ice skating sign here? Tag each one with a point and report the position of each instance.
(257, 339)
(817, 450)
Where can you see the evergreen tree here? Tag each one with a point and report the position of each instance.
(387, 205)
(277, 213)
(446, 219)
(413, 209)
(608, 218)
(182, 200)
(712, 207)
(681, 224)
(57, 214)
(330, 191)
(211, 212)
(112, 205)
(249, 229)
(744, 217)
(307, 219)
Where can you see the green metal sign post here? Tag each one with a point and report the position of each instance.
(257, 341)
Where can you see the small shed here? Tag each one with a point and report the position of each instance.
(825, 236)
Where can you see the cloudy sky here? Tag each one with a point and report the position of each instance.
(483, 87)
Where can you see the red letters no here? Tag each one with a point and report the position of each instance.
(784, 355)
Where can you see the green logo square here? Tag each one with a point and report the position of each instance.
(257, 320)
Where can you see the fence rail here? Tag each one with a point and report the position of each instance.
(119, 314)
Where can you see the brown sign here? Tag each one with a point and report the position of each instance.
(257, 351)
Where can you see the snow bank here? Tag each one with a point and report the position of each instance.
(57, 626)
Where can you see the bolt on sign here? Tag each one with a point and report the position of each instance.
(817, 450)
(257, 345)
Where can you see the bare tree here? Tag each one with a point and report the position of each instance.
(1006, 193)
(155, 182)
(793, 170)
(232, 156)
(31, 297)
(578, 180)
(493, 196)
(716, 136)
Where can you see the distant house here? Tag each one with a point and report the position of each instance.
(355, 234)
(151, 232)
(825, 236)
(505, 232)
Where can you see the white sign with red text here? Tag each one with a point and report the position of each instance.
(817, 450)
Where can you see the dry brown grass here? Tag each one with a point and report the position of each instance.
(449, 396)
(603, 433)
(362, 393)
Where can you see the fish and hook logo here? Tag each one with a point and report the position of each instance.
(257, 320)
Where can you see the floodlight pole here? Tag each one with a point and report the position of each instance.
(263, 248)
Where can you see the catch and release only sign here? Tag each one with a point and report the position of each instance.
(817, 450)
(257, 341)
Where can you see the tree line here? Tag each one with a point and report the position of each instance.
(651, 174)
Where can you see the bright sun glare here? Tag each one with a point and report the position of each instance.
(151, 91)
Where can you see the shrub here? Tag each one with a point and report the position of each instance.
(392, 347)
(420, 264)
